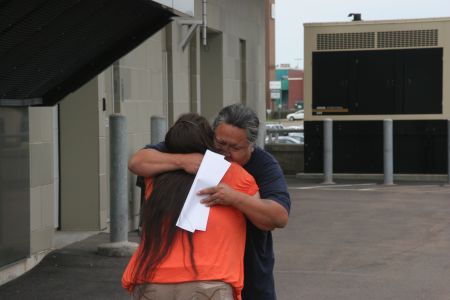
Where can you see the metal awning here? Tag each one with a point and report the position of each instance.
(50, 48)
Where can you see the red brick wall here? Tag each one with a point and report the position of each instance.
(295, 87)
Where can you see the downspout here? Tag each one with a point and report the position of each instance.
(204, 23)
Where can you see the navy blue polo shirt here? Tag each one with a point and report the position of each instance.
(259, 257)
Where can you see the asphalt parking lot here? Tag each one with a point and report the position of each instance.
(348, 241)
(365, 240)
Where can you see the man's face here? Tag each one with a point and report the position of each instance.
(232, 142)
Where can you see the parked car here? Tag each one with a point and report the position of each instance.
(296, 127)
(283, 140)
(274, 126)
(298, 115)
(298, 135)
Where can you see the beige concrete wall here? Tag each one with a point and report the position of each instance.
(80, 160)
(211, 76)
(142, 73)
(104, 111)
(180, 72)
(41, 178)
(143, 77)
(241, 20)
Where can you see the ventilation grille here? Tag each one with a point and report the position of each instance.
(410, 38)
(349, 40)
(383, 39)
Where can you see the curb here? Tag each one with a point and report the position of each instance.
(441, 178)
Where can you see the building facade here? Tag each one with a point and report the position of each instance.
(270, 48)
(291, 93)
(169, 74)
(295, 88)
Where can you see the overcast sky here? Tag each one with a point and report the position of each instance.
(291, 14)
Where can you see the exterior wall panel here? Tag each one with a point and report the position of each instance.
(14, 185)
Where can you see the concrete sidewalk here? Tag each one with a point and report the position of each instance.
(347, 241)
(73, 272)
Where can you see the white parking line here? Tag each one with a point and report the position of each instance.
(331, 273)
(335, 187)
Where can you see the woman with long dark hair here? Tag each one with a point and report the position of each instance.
(172, 263)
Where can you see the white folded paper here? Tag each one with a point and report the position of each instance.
(194, 215)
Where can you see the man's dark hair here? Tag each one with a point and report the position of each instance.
(239, 116)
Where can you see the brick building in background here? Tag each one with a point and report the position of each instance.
(295, 88)
(291, 87)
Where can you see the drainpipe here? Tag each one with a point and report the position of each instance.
(204, 23)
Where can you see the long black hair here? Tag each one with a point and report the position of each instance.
(191, 133)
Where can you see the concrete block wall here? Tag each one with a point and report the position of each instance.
(290, 157)
(42, 200)
(142, 75)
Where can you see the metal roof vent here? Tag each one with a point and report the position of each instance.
(356, 16)
(347, 40)
(407, 38)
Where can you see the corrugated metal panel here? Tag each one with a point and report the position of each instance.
(377, 40)
(50, 48)
(407, 38)
(346, 40)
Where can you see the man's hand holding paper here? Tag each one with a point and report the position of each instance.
(194, 215)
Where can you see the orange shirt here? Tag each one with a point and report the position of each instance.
(218, 251)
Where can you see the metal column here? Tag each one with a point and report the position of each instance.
(388, 152)
(118, 182)
(328, 151)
